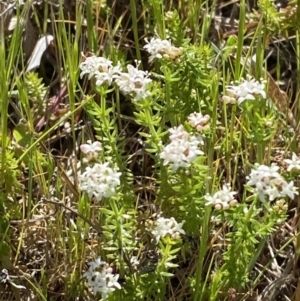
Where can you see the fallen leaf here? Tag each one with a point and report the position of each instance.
(39, 49)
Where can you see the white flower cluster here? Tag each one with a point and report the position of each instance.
(99, 181)
(91, 150)
(222, 199)
(100, 277)
(161, 48)
(268, 182)
(100, 68)
(134, 82)
(167, 226)
(198, 121)
(294, 163)
(183, 149)
(248, 89)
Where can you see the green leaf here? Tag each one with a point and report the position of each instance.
(22, 135)
(166, 274)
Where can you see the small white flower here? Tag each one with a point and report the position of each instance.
(169, 15)
(99, 181)
(178, 133)
(99, 276)
(98, 263)
(100, 68)
(135, 262)
(289, 190)
(156, 47)
(248, 89)
(91, 150)
(167, 226)
(161, 48)
(262, 173)
(198, 121)
(222, 199)
(182, 150)
(294, 163)
(271, 190)
(268, 182)
(134, 82)
(229, 99)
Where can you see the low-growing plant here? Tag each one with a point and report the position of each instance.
(144, 180)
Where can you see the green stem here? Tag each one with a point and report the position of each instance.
(135, 29)
(155, 136)
(118, 218)
(240, 43)
(171, 117)
(106, 125)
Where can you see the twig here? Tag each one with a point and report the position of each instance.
(60, 203)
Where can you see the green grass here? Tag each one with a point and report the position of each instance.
(50, 229)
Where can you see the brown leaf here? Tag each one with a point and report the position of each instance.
(281, 100)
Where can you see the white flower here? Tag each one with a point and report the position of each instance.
(110, 285)
(271, 190)
(169, 15)
(268, 182)
(100, 68)
(262, 172)
(289, 190)
(222, 199)
(113, 280)
(156, 47)
(178, 133)
(167, 226)
(91, 150)
(161, 48)
(135, 262)
(134, 82)
(228, 99)
(99, 276)
(182, 150)
(293, 164)
(198, 121)
(98, 263)
(248, 89)
(99, 181)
